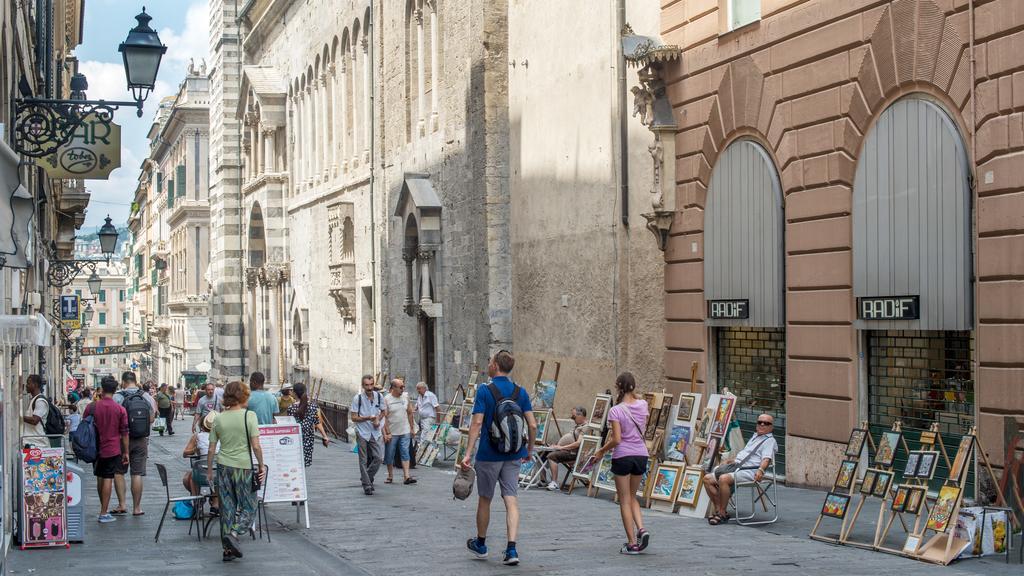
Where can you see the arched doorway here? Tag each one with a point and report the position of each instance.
(744, 285)
(912, 270)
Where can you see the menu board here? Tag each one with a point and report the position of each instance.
(282, 453)
(44, 512)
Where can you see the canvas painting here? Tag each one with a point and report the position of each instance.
(939, 518)
(689, 486)
(835, 505)
(599, 413)
(678, 442)
(915, 497)
(460, 454)
(963, 454)
(585, 461)
(869, 482)
(910, 469)
(470, 391)
(888, 445)
(711, 454)
(704, 425)
(465, 415)
(666, 480)
(847, 474)
(688, 402)
(542, 425)
(882, 481)
(666, 411)
(544, 396)
(912, 543)
(651, 425)
(856, 442)
(926, 465)
(604, 478)
(723, 414)
(899, 501)
(526, 468)
(652, 463)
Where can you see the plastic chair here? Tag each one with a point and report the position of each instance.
(765, 492)
(195, 500)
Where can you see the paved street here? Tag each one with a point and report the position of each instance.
(421, 529)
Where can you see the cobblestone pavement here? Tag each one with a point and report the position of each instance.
(420, 529)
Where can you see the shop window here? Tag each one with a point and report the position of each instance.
(743, 12)
(752, 365)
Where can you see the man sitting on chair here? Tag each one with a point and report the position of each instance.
(568, 445)
(748, 466)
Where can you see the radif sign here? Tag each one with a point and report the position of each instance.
(889, 308)
(93, 152)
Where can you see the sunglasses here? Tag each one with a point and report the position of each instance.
(764, 423)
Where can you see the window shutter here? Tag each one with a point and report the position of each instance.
(180, 177)
(170, 193)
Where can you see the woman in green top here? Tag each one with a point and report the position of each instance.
(235, 466)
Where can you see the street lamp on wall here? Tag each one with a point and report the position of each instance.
(94, 282)
(42, 125)
(63, 272)
(108, 238)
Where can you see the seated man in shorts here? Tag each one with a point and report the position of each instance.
(567, 447)
(748, 466)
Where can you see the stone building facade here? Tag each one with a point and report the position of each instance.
(862, 159)
(109, 324)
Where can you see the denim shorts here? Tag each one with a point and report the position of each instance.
(401, 443)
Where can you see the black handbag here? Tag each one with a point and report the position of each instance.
(248, 440)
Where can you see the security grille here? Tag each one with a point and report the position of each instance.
(920, 377)
(752, 365)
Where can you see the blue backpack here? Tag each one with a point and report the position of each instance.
(85, 441)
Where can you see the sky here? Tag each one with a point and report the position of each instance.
(183, 26)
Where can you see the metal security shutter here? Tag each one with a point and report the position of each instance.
(921, 377)
(743, 236)
(911, 217)
(752, 365)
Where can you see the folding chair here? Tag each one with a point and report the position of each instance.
(197, 502)
(765, 492)
(261, 509)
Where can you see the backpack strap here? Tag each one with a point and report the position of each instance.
(496, 393)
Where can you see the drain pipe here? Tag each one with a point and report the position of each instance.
(620, 23)
(373, 181)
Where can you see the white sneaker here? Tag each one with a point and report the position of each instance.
(552, 486)
(106, 518)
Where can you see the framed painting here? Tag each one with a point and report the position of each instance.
(913, 541)
(690, 486)
(927, 438)
(544, 394)
(470, 392)
(666, 481)
(527, 468)
(915, 496)
(666, 411)
(711, 454)
(704, 425)
(465, 415)
(542, 417)
(689, 404)
(868, 485)
(910, 468)
(835, 505)
(678, 441)
(883, 478)
(846, 475)
(723, 414)
(855, 444)
(963, 455)
(652, 463)
(604, 478)
(942, 511)
(460, 454)
(652, 424)
(899, 500)
(927, 463)
(599, 413)
(585, 462)
(888, 445)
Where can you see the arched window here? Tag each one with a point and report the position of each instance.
(347, 240)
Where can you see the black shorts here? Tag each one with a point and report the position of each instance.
(629, 466)
(107, 467)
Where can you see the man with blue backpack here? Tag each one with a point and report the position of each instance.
(502, 411)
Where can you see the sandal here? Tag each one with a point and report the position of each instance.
(410, 480)
(718, 519)
(120, 512)
(389, 480)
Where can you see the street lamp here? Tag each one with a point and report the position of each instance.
(42, 125)
(89, 313)
(94, 282)
(142, 52)
(108, 238)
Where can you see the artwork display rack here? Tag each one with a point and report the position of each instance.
(897, 428)
(849, 490)
(927, 441)
(534, 398)
(429, 450)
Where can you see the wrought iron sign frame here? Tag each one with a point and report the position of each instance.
(42, 125)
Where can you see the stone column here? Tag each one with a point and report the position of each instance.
(343, 130)
(434, 41)
(269, 149)
(335, 135)
(355, 110)
(325, 154)
(366, 101)
(261, 153)
(421, 85)
(275, 337)
(424, 257)
(308, 135)
(409, 256)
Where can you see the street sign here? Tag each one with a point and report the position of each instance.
(729, 309)
(93, 152)
(889, 308)
(70, 317)
(118, 349)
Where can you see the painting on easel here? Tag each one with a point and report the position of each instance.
(942, 511)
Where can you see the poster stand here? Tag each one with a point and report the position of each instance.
(43, 518)
(286, 480)
(849, 493)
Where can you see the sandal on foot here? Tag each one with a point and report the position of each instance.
(389, 480)
(410, 480)
(716, 519)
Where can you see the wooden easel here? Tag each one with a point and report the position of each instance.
(432, 443)
(882, 533)
(314, 391)
(897, 426)
(851, 491)
(944, 547)
(551, 415)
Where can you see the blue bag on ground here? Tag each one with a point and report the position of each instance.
(183, 510)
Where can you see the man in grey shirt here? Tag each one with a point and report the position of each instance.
(367, 412)
(208, 403)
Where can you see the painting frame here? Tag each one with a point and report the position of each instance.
(887, 448)
(928, 462)
(912, 544)
(526, 468)
(941, 515)
(599, 418)
(846, 477)
(460, 452)
(910, 467)
(677, 441)
(465, 415)
(867, 485)
(689, 405)
(542, 417)
(652, 463)
(855, 445)
(835, 506)
(603, 477)
(883, 479)
(673, 473)
(703, 425)
(722, 414)
(584, 456)
(915, 497)
(899, 499)
(963, 453)
(692, 494)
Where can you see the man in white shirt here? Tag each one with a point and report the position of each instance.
(38, 408)
(367, 413)
(398, 429)
(748, 466)
(427, 411)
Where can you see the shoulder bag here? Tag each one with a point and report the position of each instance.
(248, 441)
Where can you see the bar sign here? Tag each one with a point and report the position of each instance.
(729, 309)
(889, 308)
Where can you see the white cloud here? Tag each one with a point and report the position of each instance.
(194, 41)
